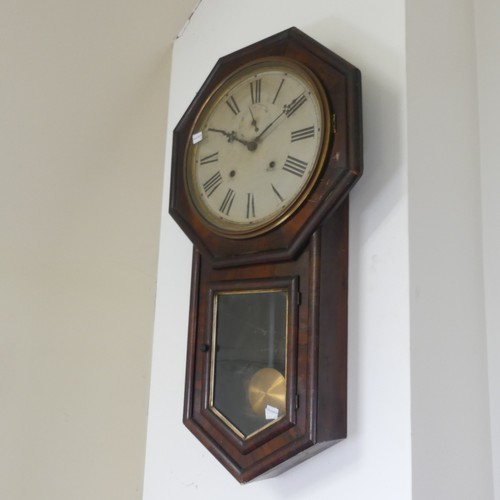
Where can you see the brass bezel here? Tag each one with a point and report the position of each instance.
(240, 230)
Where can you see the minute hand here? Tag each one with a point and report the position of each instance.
(288, 110)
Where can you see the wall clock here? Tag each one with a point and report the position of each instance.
(262, 164)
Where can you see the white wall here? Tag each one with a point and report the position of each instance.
(83, 103)
(423, 218)
(487, 17)
(450, 408)
(374, 462)
(83, 99)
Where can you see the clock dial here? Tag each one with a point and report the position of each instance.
(257, 147)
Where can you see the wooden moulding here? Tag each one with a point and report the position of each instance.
(341, 82)
(317, 354)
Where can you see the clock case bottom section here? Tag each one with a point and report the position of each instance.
(316, 353)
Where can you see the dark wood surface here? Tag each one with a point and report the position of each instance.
(317, 354)
(342, 168)
(307, 255)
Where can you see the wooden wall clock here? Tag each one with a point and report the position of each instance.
(263, 161)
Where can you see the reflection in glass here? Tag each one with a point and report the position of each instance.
(248, 385)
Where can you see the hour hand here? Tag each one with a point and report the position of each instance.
(231, 136)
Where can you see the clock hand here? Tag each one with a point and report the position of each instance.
(254, 121)
(288, 110)
(268, 128)
(231, 136)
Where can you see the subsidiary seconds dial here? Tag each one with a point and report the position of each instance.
(257, 147)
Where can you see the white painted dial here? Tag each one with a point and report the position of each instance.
(257, 147)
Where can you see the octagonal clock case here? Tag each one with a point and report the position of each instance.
(262, 164)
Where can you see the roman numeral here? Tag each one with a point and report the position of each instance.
(227, 203)
(303, 133)
(277, 193)
(255, 90)
(295, 166)
(278, 91)
(209, 159)
(212, 184)
(295, 105)
(232, 105)
(250, 205)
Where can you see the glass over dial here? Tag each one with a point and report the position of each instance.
(257, 147)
